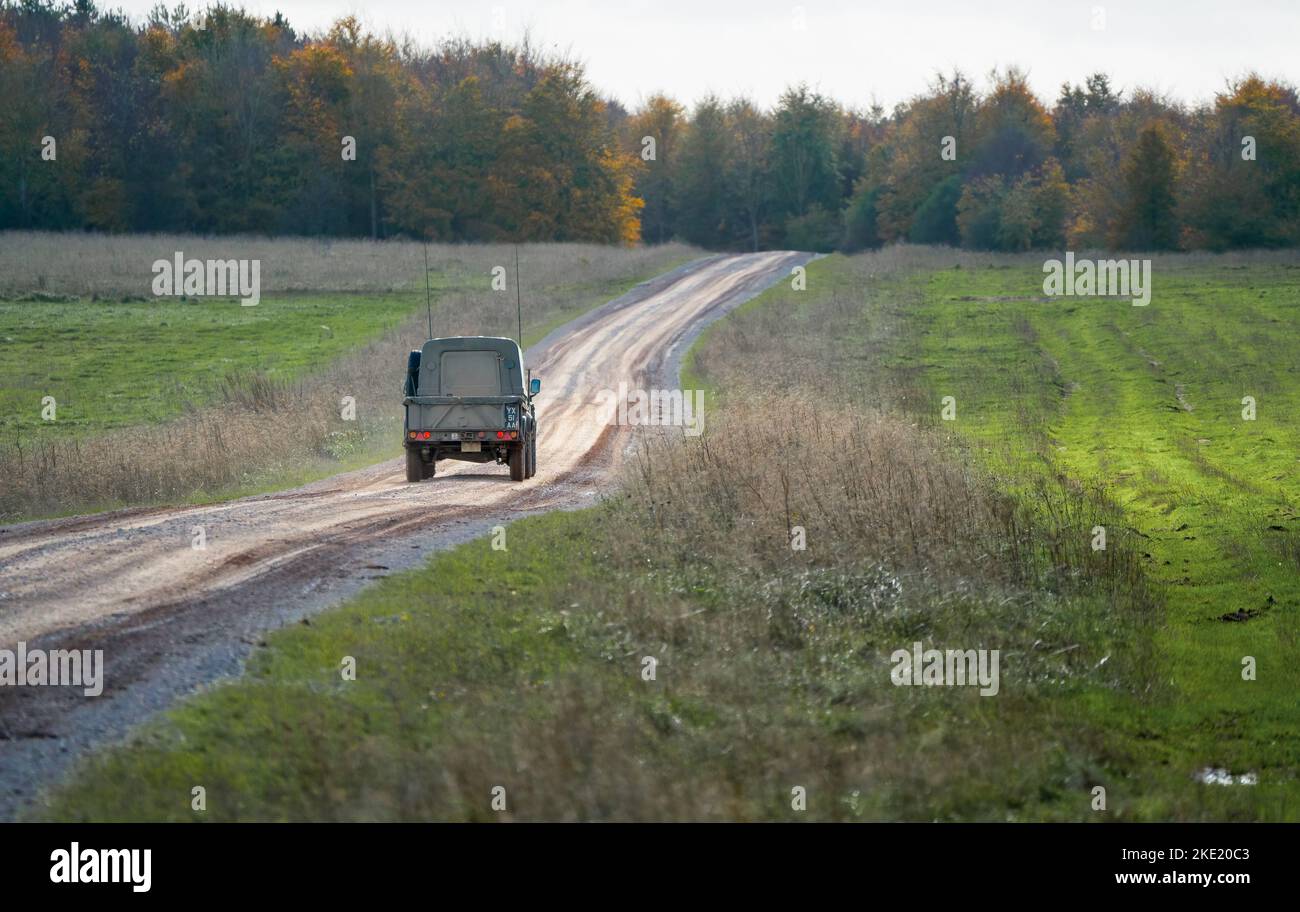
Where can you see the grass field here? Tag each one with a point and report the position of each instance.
(1119, 669)
(1146, 404)
(112, 365)
(164, 399)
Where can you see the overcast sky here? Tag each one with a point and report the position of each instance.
(852, 51)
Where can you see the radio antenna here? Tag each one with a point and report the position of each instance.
(428, 303)
(519, 301)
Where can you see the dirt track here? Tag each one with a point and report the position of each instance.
(170, 617)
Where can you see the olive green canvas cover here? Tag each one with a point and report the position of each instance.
(464, 383)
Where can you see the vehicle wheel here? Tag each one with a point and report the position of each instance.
(430, 467)
(414, 465)
(532, 455)
(517, 463)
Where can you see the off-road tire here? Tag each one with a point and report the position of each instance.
(518, 463)
(430, 467)
(414, 465)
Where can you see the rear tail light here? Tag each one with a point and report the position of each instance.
(501, 435)
(425, 435)
(514, 435)
(411, 435)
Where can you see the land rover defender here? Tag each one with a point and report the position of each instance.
(469, 398)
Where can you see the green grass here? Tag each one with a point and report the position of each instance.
(120, 364)
(1145, 403)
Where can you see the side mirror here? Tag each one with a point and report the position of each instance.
(534, 386)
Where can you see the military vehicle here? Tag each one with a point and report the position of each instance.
(466, 398)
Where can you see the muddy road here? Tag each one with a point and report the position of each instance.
(170, 618)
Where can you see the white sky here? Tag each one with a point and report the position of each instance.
(888, 49)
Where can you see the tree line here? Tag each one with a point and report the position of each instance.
(232, 122)
(994, 170)
(227, 122)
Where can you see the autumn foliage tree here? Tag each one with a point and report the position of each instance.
(1147, 219)
(1242, 185)
(652, 135)
(234, 122)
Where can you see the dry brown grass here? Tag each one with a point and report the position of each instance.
(115, 265)
(860, 482)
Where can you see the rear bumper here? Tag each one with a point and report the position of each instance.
(454, 438)
(494, 450)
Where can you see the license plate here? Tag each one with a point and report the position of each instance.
(467, 446)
